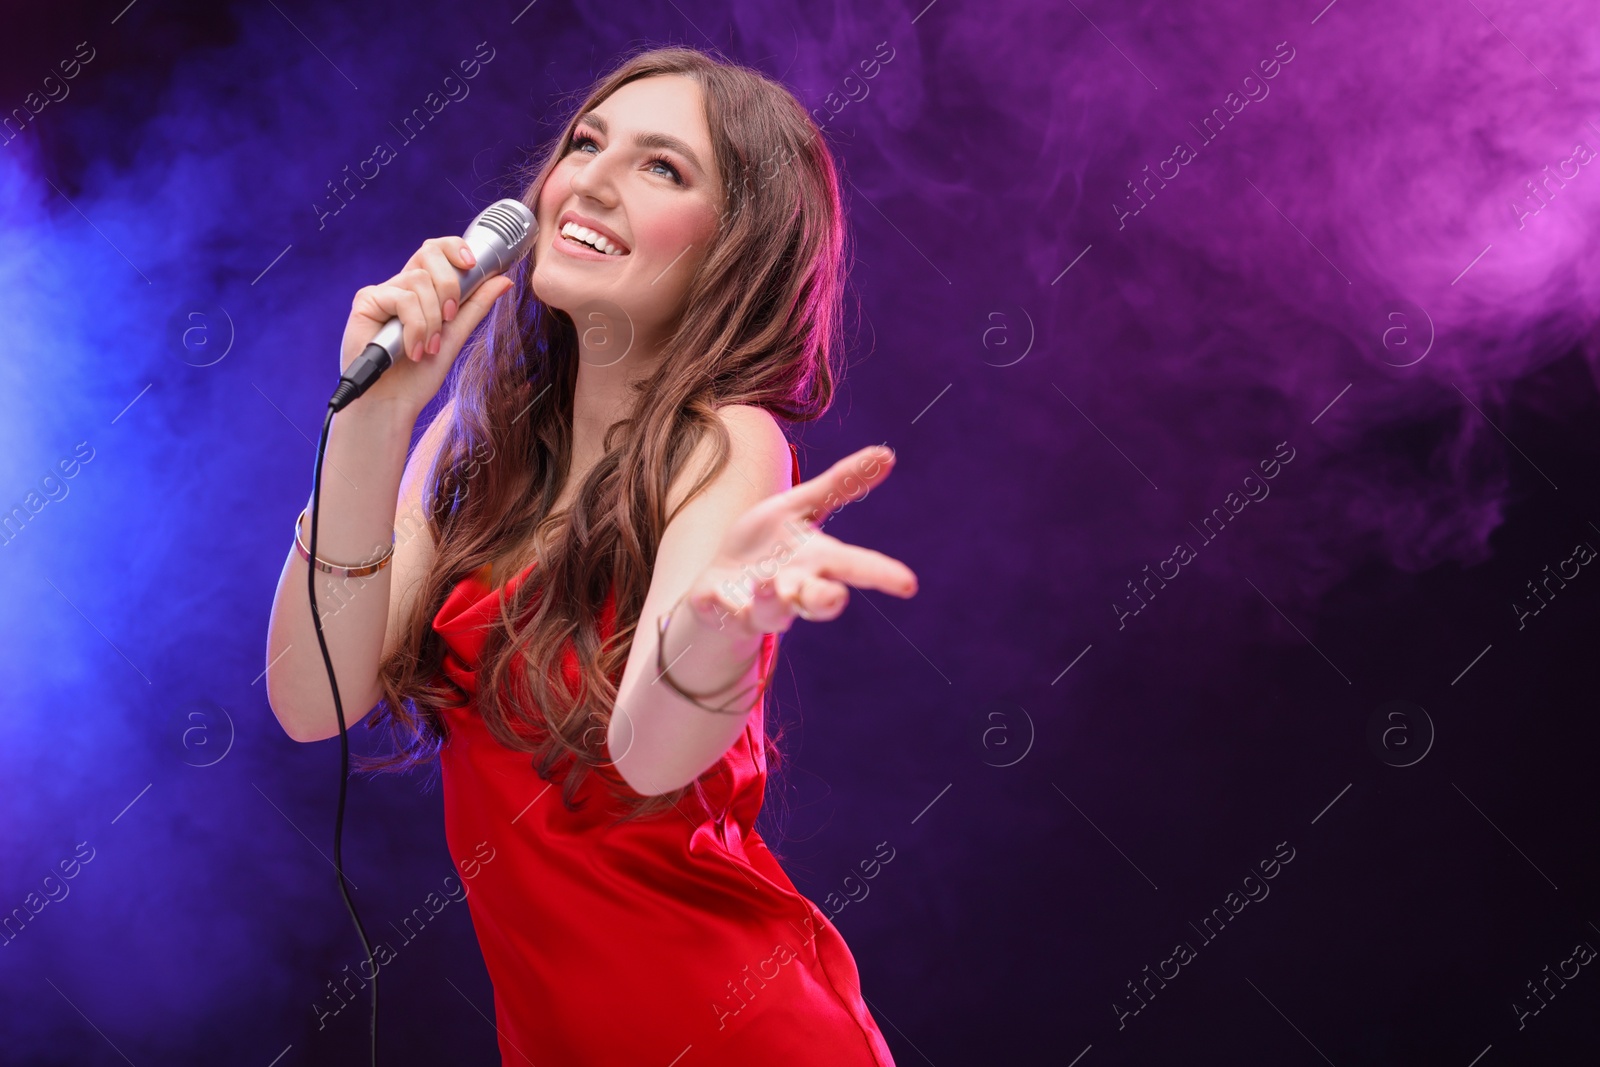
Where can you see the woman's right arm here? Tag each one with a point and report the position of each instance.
(360, 616)
(370, 493)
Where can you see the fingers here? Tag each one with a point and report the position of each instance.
(433, 273)
(421, 281)
(478, 304)
(401, 302)
(811, 597)
(447, 258)
(818, 589)
(860, 567)
(446, 280)
(814, 584)
(849, 479)
(472, 312)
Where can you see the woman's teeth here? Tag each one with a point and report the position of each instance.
(590, 238)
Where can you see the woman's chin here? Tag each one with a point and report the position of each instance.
(562, 294)
(553, 294)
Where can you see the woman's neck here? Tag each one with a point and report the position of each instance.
(602, 397)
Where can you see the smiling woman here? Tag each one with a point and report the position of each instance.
(639, 173)
(596, 604)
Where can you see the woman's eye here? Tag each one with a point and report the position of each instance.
(669, 170)
(581, 139)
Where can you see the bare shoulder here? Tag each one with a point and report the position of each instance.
(757, 430)
(759, 459)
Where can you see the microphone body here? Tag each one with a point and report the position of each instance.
(498, 237)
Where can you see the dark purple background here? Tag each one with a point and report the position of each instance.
(1353, 266)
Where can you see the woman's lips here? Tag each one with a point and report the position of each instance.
(580, 250)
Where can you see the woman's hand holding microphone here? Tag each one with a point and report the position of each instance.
(426, 297)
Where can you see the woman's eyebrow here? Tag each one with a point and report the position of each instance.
(649, 140)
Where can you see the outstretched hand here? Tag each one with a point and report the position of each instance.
(775, 564)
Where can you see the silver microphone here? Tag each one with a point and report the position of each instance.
(498, 236)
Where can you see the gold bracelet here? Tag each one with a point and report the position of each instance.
(360, 571)
(661, 669)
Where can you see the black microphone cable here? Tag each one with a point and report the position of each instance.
(344, 736)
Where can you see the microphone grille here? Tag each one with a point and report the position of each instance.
(509, 220)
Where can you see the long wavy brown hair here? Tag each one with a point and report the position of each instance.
(761, 326)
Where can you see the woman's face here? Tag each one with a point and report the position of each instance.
(639, 171)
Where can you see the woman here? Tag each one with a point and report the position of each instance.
(607, 488)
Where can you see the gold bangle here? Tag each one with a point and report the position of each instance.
(360, 571)
(661, 669)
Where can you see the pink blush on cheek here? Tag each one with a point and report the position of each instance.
(668, 234)
(552, 194)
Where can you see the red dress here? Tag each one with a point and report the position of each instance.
(671, 940)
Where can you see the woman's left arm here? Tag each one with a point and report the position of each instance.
(742, 559)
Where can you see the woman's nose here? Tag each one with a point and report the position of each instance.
(595, 180)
